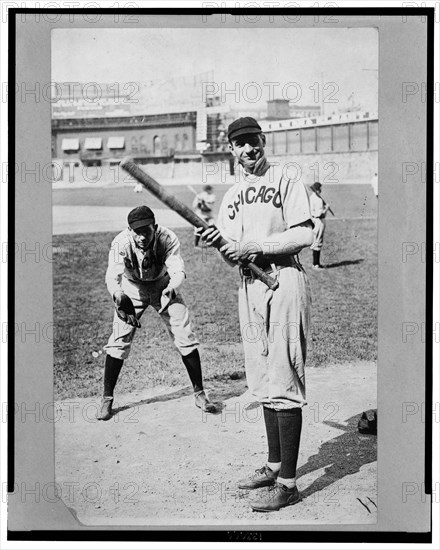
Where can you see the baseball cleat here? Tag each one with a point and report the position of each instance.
(202, 402)
(318, 267)
(263, 477)
(106, 409)
(278, 497)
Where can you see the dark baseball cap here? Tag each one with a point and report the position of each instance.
(243, 125)
(140, 216)
(316, 187)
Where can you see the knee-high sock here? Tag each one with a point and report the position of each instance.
(289, 425)
(273, 436)
(316, 257)
(112, 369)
(194, 368)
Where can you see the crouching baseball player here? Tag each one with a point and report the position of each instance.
(145, 268)
(266, 219)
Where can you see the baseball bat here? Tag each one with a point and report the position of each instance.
(325, 204)
(172, 202)
(191, 188)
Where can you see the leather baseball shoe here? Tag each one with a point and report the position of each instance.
(263, 477)
(277, 497)
(202, 401)
(106, 409)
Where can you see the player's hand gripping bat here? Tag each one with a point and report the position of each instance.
(172, 202)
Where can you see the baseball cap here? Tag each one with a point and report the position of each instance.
(316, 187)
(243, 125)
(140, 216)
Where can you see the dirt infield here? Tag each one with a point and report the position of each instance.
(161, 461)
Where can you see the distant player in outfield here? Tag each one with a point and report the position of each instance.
(138, 188)
(203, 204)
(318, 209)
(145, 269)
(266, 219)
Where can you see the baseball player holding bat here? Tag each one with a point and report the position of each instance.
(183, 210)
(145, 269)
(318, 209)
(266, 219)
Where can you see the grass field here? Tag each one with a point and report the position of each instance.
(344, 315)
(351, 201)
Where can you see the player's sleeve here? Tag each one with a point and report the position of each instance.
(295, 202)
(116, 266)
(224, 224)
(173, 260)
(220, 219)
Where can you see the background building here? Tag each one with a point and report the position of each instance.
(175, 121)
(148, 138)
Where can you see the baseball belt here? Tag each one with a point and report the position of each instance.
(272, 267)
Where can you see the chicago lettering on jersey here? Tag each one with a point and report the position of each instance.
(252, 195)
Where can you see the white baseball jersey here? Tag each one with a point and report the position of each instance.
(258, 206)
(138, 266)
(317, 206)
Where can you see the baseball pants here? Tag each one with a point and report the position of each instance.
(318, 233)
(274, 327)
(175, 318)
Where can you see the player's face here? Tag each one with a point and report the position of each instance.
(143, 236)
(249, 149)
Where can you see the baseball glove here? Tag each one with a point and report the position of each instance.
(125, 310)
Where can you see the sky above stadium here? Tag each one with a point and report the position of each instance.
(301, 64)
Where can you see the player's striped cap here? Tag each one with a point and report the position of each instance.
(140, 216)
(243, 125)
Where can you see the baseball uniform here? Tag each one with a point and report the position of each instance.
(145, 269)
(203, 203)
(143, 277)
(273, 324)
(272, 210)
(318, 211)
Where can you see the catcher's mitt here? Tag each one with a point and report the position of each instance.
(125, 310)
